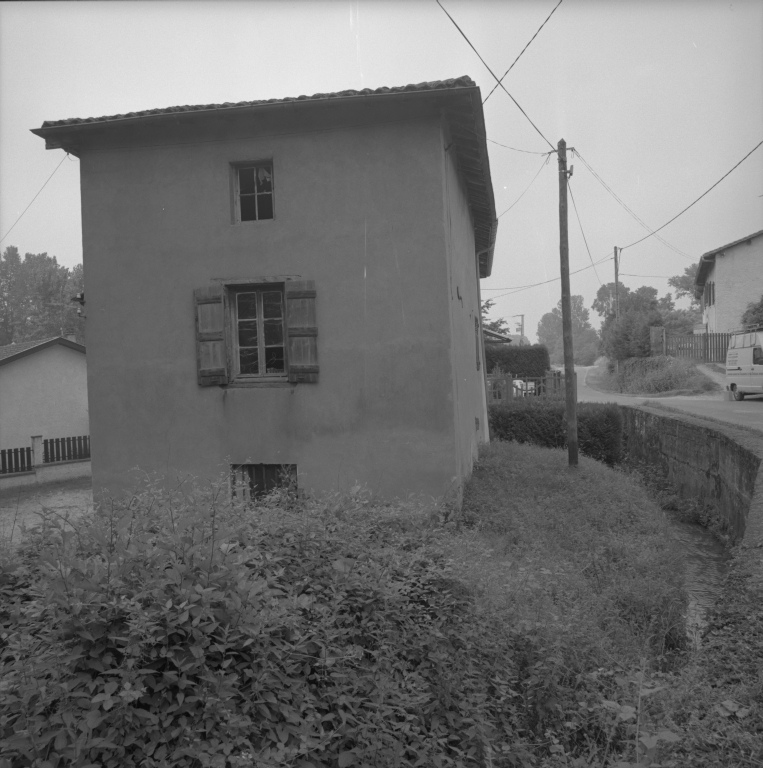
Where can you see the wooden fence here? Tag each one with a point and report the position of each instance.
(504, 387)
(65, 449)
(707, 347)
(16, 460)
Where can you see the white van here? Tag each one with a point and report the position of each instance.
(744, 364)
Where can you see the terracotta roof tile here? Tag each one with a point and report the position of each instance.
(434, 85)
(13, 349)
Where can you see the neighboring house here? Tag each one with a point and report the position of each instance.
(43, 391)
(493, 337)
(288, 285)
(728, 279)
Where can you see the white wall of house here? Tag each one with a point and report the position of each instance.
(43, 393)
(738, 277)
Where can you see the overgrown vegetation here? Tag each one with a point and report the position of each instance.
(521, 362)
(185, 630)
(653, 375)
(542, 422)
(753, 315)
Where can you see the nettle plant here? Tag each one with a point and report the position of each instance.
(183, 629)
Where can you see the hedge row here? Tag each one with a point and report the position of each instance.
(521, 362)
(543, 422)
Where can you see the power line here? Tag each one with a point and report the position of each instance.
(494, 76)
(506, 146)
(521, 52)
(629, 274)
(542, 166)
(34, 198)
(697, 200)
(625, 207)
(569, 186)
(520, 288)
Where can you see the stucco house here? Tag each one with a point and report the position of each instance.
(288, 286)
(728, 279)
(43, 391)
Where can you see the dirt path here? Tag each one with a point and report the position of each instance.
(19, 507)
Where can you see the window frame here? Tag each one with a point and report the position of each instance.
(237, 166)
(232, 320)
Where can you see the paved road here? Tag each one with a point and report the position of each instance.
(747, 413)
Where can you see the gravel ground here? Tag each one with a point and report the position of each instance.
(19, 506)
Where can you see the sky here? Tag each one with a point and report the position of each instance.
(660, 97)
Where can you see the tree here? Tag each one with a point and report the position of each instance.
(585, 340)
(35, 297)
(499, 326)
(684, 285)
(753, 315)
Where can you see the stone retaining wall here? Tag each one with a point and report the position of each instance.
(707, 460)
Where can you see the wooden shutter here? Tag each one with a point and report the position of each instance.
(211, 359)
(302, 330)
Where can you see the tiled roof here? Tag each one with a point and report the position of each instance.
(708, 259)
(13, 349)
(24, 348)
(462, 111)
(434, 85)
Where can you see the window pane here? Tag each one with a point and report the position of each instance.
(249, 360)
(274, 360)
(271, 304)
(273, 333)
(248, 209)
(264, 179)
(247, 333)
(247, 305)
(265, 206)
(246, 180)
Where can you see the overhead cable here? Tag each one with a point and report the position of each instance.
(569, 186)
(636, 242)
(34, 198)
(520, 288)
(506, 146)
(542, 166)
(521, 52)
(625, 207)
(495, 77)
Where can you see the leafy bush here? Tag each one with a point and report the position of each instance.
(183, 630)
(543, 422)
(521, 362)
(650, 375)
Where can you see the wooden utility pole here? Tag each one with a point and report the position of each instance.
(569, 361)
(617, 287)
(617, 300)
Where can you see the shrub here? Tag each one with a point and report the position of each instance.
(521, 362)
(543, 422)
(181, 630)
(650, 375)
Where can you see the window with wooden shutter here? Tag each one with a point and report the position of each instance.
(302, 329)
(211, 357)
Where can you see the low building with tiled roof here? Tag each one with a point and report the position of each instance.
(43, 391)
(288, 283)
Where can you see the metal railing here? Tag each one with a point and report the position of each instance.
(503, 387)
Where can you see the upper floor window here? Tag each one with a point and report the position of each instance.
(254, 192)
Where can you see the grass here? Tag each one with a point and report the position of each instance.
(652, 376)
(537, 627)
